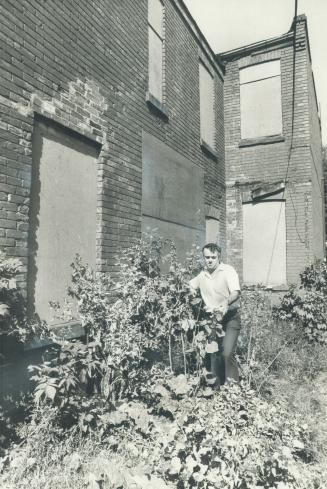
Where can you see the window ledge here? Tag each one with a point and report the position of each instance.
(155, 105)
(208, 150)
(272, 288)
(262, 140)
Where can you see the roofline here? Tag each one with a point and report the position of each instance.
(288, 36)
(199, 36)
(249, 48)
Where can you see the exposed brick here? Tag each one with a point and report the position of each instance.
(7, 224)
(250, 167)
(86, 68)
(13, 233)
(7, 242)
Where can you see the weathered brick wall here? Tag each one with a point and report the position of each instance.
(84, 65)
(324, 155)
(317, 171)
(253, 166)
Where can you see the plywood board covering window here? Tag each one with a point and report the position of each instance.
(261, 105)
(172, 195)
(207, 106)
(155, 28)
(62, 213)
(264, 243)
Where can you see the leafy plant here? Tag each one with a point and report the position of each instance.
(236, 439)
(180, 438)
(128, 406)
(306, 304)
(126, 322)
(12, 306)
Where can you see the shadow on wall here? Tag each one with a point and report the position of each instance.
(34, 211)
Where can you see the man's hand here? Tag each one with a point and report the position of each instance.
(192, 290)
(224, 307)
(221, 309)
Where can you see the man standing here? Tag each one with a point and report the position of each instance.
(219, 285)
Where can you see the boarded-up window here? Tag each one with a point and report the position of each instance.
(172, 195)
(264, 243)
(155, 20)
(212, 230)
(207, 106)
(261, 106)
(62, 213)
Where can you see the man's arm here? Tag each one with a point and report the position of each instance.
(194, 284)
(234, 286)
(233, 297)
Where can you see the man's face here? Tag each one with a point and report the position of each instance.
(211, 259)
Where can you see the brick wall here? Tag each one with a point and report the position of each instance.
(84, 65)
(324, 160)
(317, 170)
(260, 164)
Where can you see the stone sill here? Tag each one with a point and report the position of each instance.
(206, 148)
(64, 331)
(272, 288)
(157, 107)
(259, 141)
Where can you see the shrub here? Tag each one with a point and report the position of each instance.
(15, 329)
(314, 277)
(145, 311)
(306, 304)
(12, 306)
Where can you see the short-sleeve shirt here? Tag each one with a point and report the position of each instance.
(217, 286)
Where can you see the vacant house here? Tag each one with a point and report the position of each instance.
(111, 126)
(273, 158)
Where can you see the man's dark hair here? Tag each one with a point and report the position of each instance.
(213, 247)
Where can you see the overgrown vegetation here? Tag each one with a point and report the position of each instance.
(130, 405)
(12, 309)
(307, 303)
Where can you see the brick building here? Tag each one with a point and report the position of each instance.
(324, 162)
(274, 177)
(108, 126)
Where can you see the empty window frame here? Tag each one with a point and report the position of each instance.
(156, 39)
(207, 106)
(261, 102)
(264, 243)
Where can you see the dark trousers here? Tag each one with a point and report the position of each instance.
(223, 363)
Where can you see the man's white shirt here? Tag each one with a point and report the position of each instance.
(217, 286)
